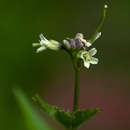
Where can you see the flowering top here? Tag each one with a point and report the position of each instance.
(77, 47)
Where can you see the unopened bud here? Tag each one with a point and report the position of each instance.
(106, 6)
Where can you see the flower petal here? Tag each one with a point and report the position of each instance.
(94, 60)
(93, 51)
(97, 36)
(35, 44)
(42, 37)
(86, 64)
(88, 44)
(53, 45)
(81, 54)
(42, 48)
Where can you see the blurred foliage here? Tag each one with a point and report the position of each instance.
(21, 23)
(32, 119)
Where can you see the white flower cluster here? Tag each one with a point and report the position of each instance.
(78, 43)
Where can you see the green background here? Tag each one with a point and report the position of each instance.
(50, 74)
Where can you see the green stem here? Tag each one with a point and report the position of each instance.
(76, 93)
(99, 26)
(76, 86)
(76, 90)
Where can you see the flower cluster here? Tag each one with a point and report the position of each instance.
(78, 45)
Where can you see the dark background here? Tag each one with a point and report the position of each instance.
(50, 73)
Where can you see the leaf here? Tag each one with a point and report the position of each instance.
(67, 119)
(33, 120)
(64, 118)
(81, 116)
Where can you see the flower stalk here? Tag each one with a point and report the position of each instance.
(76, 90)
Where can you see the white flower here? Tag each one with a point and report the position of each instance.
(46, 44)
(87, 57)
(88, 44)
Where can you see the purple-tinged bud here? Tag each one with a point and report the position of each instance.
(72, 43)
(67, 44)
(78, 43)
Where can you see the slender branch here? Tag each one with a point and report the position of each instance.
(100, 24)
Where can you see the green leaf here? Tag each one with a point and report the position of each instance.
(33, 120)
(81, 116)
(67, 119)
(64, 118)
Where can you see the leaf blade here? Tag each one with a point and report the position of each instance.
(81, 116)
(64, 118)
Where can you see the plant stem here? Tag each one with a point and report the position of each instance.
(100, 25)
(76, 90)
(76, 86)
(76, 93)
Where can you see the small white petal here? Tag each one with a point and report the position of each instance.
(42, 48)
(87, 64)
(93, 51)
(35, 44)
(53, 45)
(54, 42)
(81, 54)
(88, 44)
(42, 37)
(94, 60)
(44, 42)
(97, 36)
